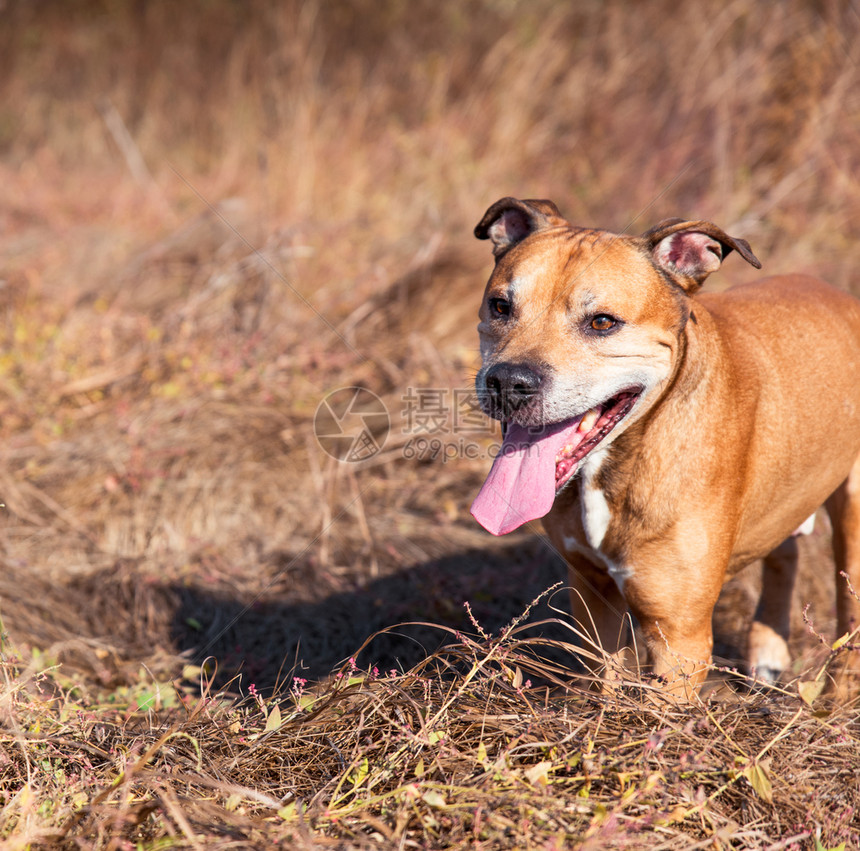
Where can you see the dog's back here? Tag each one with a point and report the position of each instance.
(794, 341)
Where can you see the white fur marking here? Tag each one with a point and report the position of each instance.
(571, 543)
(516, 285)
(595, 515)
(595, 508)
(595, 520)
(806, 527)
(619, 573)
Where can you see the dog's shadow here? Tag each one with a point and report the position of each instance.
(268, 640)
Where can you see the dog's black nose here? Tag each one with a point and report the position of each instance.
(510, 386)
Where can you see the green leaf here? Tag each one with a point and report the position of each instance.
(146, 700)
(288, 813)
(820, 847)
(306, 701)
(361, 771)
(840, 641)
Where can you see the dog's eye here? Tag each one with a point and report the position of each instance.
(499, 307)
(602, 323)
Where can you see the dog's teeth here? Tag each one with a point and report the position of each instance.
(588, 421)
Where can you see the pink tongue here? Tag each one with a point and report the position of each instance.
(521, 483)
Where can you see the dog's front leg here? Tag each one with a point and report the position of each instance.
(680, 658)
(674, 611)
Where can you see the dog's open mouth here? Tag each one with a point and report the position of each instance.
(591, 429)
(533, 465)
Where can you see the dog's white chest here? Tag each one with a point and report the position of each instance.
(595, 509)
(596, 517)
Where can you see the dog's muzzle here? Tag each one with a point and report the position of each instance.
(508, 388)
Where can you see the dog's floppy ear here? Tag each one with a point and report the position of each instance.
(693, 250)
(510, 220)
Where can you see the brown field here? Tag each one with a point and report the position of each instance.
(215, 213)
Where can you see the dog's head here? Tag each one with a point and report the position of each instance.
(580, 333)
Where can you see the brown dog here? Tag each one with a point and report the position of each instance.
(668, 438)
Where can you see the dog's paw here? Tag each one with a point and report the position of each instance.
(766, 674)
(768, 654)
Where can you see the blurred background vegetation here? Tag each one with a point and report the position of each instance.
(213, 213)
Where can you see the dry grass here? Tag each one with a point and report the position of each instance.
(461, 751)
(212, 215)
